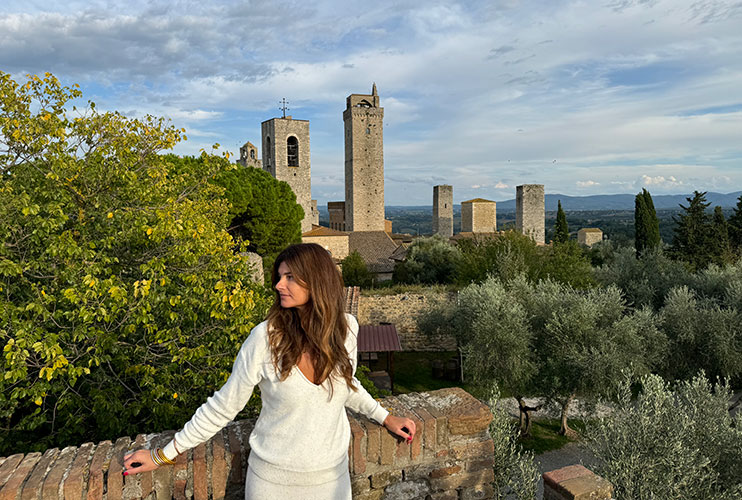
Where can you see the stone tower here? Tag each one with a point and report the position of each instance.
(364, 162)
(478, 216)
(529, 211)
(286, 157)
(249, 156)
(443, 210)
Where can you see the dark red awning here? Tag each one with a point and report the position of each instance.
(378, 338)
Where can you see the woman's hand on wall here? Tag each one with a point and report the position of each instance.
(401, 426)
(138, 461)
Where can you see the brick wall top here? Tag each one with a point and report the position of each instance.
(451, 453)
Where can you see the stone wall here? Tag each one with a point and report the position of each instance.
(443, 210)
(451, 457)
(402, 311)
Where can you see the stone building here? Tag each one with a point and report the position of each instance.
(249, 156)
(478, 216)
(376, 249)
(335, 242)
(364, 162)
(529, 211)
(589, 236)
(336, 209)
(443, 210)
(315, 213)
(286, 157)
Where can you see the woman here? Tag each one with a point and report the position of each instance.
(303, 358)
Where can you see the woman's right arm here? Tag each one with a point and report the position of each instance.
(218, 410)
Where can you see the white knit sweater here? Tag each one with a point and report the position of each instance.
(301, 435)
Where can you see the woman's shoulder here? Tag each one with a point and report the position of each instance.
(352, 323)
(257, 340)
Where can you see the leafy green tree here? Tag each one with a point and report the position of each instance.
(122, 300)
(567, 263)
(355, 271)
(503, 256)
(670, 443)
(561, 229)
(646, 224)
(692, 232)
(735, 226)
(264, 212)
(429, 261)
(702, 336)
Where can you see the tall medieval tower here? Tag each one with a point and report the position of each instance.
(286, 157)
(529, 211)
(364, 162)
(443, 210)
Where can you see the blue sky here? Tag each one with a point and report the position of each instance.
(585, 97)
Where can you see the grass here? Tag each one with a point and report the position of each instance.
(390, 288)
(545, 435)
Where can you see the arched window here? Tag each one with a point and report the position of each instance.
(292, 151)
(252, 154)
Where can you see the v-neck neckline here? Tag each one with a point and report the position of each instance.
(306, 378)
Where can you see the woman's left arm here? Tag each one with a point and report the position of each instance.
(362, 402)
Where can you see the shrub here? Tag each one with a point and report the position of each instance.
(355, 272)
(670, 443)
(429, 261)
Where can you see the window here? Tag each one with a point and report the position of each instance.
(292, 151)
(252, 154)
(267, 154)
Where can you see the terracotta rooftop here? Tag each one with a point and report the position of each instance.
(478, 200)
(375, 248)
(323, 231)
(352, 297)
(378, 338)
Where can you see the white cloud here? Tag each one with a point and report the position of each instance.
(587, 184)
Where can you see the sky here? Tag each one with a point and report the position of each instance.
(585, 97)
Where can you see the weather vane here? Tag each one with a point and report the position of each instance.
(283, 102)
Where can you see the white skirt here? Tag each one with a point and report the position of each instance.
(257, 488)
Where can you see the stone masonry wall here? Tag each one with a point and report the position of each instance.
(529, 211)
(402, 311)
(451, 457)
(443, 210)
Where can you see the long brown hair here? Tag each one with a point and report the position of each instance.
(320, 328)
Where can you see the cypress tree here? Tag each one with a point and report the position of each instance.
(735, 225)
(561, 229)
(719, 248)
(646, 223)
(692, 232)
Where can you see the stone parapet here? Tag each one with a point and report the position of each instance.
(575, 482)
(450, 457)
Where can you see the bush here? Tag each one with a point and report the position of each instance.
(670, 444)
(355, 272)
(429, 261)
(123, 302)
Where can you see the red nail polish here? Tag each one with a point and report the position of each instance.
(126, 473)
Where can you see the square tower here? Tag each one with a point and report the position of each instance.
(529, 211)
(286, 158)
(249, 156)
(443, 210)
(364, 162)
(478, 216)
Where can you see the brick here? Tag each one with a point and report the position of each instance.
(382, 479)
(427, 430)
(32, 487)
(469, 416)
(445, 471)
(476, 449)
(76, 479)
(180, 475)
(478, 492)
(592, 487)
(487, 463)
(15, 479)
(219, 471)
(115, 478)
(139, 485)
(388, 448)
(200, 479)
(360, 484)
(235, 451)
(162, 477)
(373, 440)
(8, 466)
(50, 489)
(358, 460)
(441, 421)
(554, 477)
(98, 467)
(463, 480)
